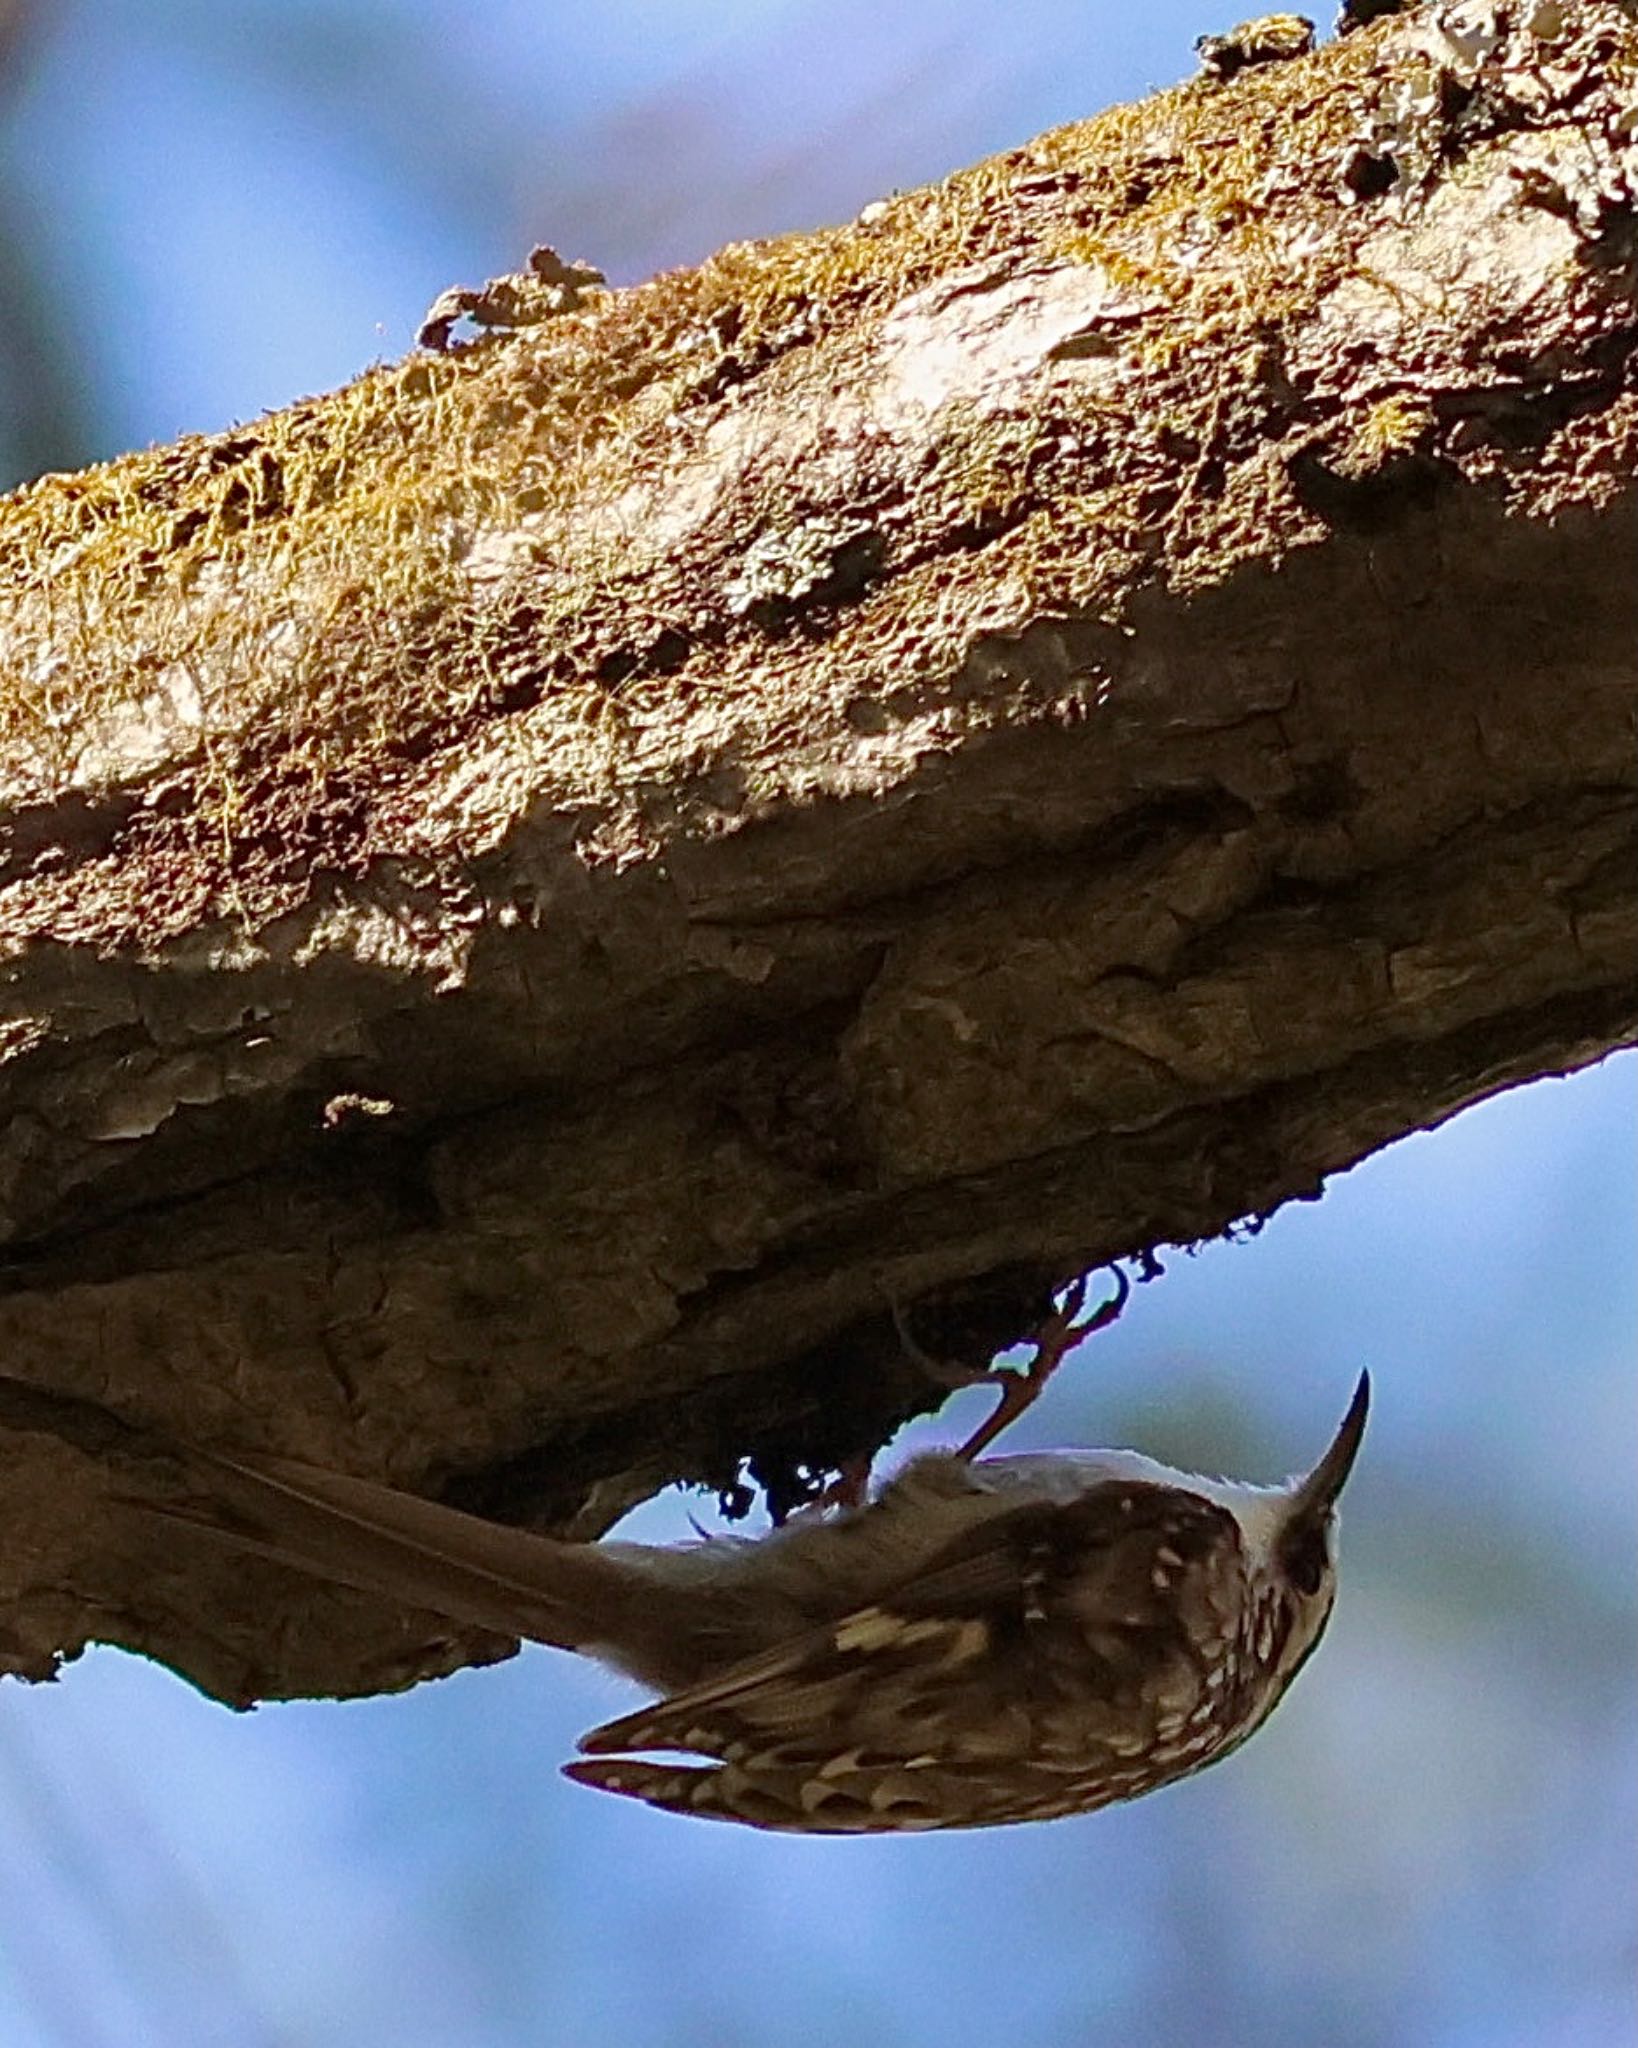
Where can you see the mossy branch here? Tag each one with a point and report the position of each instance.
(545, 891)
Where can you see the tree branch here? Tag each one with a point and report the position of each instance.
(547, 890)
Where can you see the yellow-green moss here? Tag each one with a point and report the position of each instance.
(312, 581)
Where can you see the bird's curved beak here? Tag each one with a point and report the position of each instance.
(1318, 1493)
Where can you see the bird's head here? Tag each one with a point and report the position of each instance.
(1289, 1533)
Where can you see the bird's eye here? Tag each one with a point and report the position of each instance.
(1307, 1558)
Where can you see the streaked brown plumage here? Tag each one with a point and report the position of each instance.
(989, 1640)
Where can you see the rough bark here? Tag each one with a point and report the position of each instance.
(544, 888)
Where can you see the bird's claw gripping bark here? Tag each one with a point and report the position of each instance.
(1053, 1341)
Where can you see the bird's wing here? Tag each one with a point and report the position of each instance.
(1047, 1630)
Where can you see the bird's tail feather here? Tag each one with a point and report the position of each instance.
(350, 1531)
(379, 1539)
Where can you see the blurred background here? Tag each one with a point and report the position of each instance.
(209, 209)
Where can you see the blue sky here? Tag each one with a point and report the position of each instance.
(226, 206)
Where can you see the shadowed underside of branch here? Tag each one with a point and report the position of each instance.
(544, 891)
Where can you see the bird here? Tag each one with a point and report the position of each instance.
(981, 1640)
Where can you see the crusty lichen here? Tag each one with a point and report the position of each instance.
(252, 650)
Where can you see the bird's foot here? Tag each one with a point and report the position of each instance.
(1053, 1341)
(1055, 1338)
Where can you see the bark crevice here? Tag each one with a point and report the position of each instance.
(542, 892)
